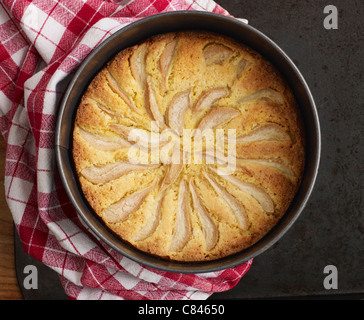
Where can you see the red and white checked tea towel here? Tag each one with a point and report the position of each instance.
(42, 43)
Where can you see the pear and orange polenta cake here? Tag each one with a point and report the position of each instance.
(156, 98)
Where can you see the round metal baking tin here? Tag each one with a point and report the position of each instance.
(170, 22)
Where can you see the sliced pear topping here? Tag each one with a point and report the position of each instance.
(143, 138)
(216, 53)
(233, 203)
(257, 193)
(268, 132)
(153, 222)
(137, 64)
(165, 60)
(120, 92)
(228, 162)
(103, 143)
(182, 226)
(209, 97)
(217, 156)
(152, 105)
(241, 66)
(112, 171)
(173, 172)
(103, 108)
(174, 169)
(122, 130)
(268, 163)
(209, 228)
(121, 210)
(177, 110)
(216, 117)
(269, 95)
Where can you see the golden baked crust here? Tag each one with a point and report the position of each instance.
(189, 211)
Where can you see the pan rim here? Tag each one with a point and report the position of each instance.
(174, 266)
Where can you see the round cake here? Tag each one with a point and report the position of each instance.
(189, 146)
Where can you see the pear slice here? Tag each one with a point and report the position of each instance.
(153, 222)
(216, 53)
(269, 95)
(102, 107)
(241, 67)
(182, 226)
(209, 228)
(262, 197)
(105, 173)
(137, 64)
(174, 169)
(177, 110)
(233, 203)
(216, 117)
(165, 60)
(120, 92)
(103, 143)
(152, 105)
(281, 167)
(268, 132)
(173, 172)
(121, 210)
(209, 97)
(143, 138)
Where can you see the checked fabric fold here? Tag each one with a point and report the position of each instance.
(42, 44)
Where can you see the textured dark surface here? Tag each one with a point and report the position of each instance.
(330, 231)
(331, 228)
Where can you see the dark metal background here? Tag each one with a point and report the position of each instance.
(330, 231)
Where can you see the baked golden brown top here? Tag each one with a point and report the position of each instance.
(236, 126)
